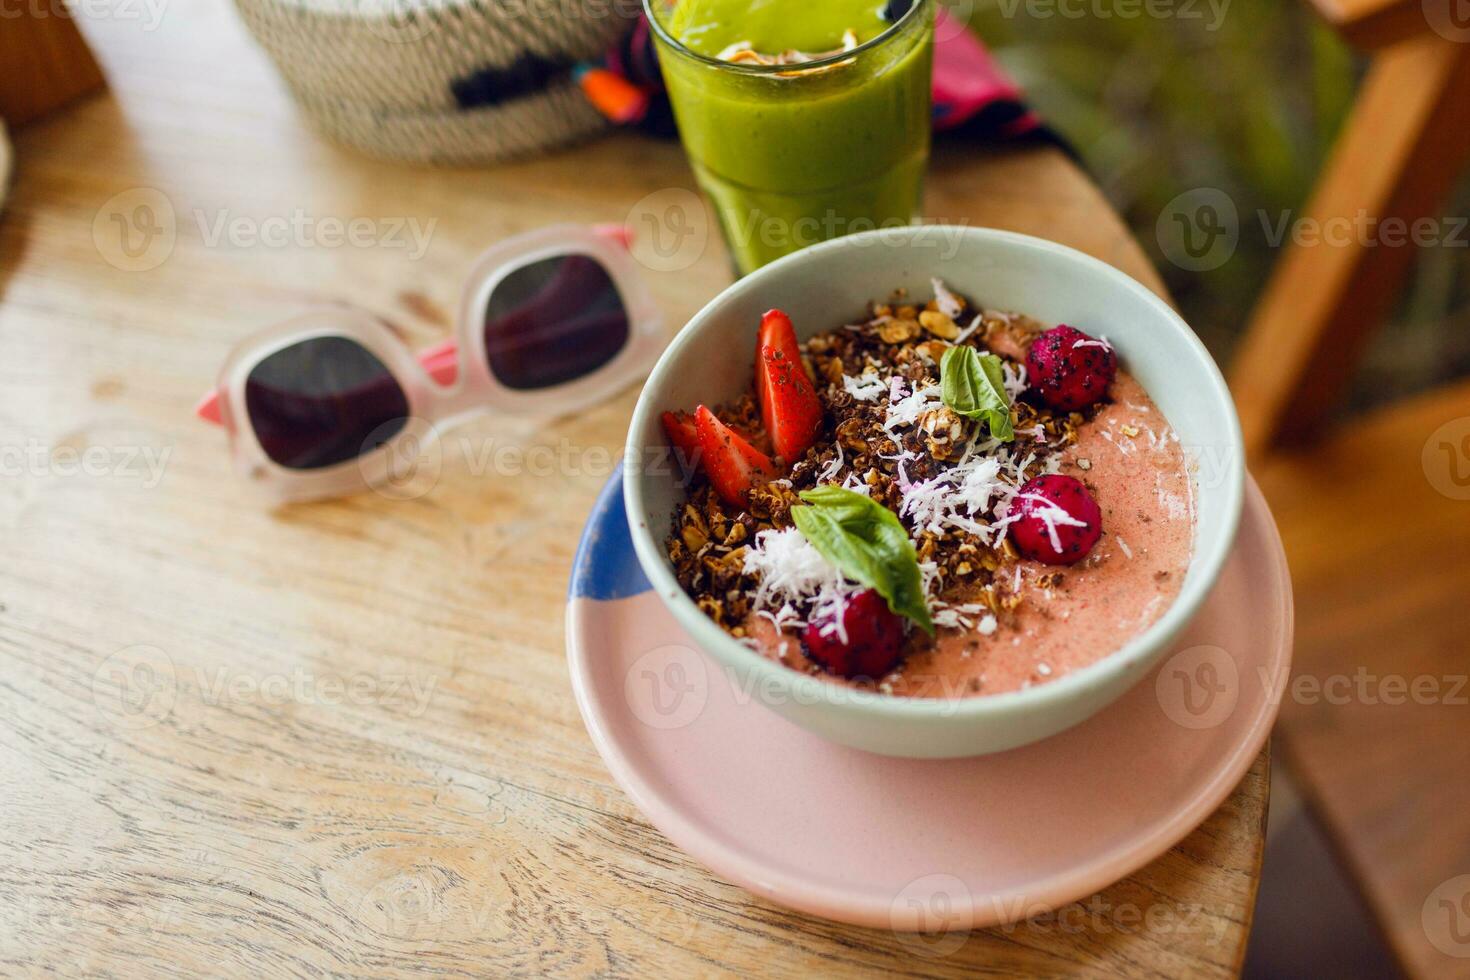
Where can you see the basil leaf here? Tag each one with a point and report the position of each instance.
(973, 385)
(868, 543)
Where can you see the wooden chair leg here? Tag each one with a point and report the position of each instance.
(44, 62)
(1401, 150)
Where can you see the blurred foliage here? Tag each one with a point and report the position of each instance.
(1245, 96)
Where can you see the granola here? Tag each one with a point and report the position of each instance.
(885, 432)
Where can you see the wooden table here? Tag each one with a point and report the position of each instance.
(339, 737)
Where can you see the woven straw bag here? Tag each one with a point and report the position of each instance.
(440, 81)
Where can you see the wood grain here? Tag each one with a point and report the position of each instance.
(44, 63)
(339, 738)
(1379, 609)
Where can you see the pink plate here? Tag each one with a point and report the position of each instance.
(905, 844)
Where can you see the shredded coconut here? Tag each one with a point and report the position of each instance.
(864, 387)
(833, 467)
(792, 570)
(965, 333)
(906, 409)
(949, 304)
(1053, 516)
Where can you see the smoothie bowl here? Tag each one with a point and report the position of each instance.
(935, 491)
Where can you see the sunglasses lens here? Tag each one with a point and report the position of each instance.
(554, 321)
(317, 402)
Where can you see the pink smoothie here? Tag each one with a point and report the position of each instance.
(1132, 462)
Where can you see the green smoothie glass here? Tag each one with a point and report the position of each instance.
(796, 153)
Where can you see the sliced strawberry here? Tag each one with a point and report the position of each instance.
(734, 466)
(789, 404)
(680, 428)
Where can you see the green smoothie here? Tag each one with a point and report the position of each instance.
(795, 139)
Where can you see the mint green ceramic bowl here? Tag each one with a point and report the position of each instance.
(710, 361)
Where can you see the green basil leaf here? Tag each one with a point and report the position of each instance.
(973, 385)
(868, 543)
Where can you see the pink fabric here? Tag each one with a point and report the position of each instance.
(966, 77)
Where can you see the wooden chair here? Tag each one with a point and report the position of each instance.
(1378, 533)
(44, 63)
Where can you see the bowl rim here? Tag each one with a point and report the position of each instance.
(1137, 654)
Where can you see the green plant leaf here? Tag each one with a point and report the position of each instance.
(973, 385)
(868, 543)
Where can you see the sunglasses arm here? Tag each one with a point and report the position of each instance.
(442, 360)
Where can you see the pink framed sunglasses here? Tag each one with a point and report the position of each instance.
(549, 322)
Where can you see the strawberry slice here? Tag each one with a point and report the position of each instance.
(789, 404)
(734, 465)
(680, 428)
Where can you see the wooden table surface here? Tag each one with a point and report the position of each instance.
(339, 737)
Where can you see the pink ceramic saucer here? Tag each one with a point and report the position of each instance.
(922, 844)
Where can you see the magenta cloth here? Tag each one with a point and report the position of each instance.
(972, 94)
